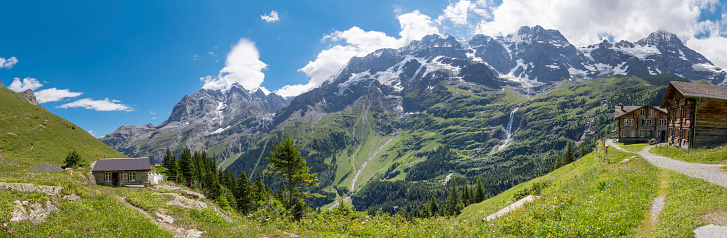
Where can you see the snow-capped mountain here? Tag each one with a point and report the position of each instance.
(532, 56)
(201, 121)
(537, 55)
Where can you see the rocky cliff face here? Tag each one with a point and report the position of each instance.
(201, 121)
(28, 94)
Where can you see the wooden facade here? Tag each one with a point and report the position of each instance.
(121, 172)
(640, 123)
(697, 115)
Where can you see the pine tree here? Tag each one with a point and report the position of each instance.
(480, 194)
(433, 207)
(242, 193)
(186, 166)
(465, 194)
(568, 154)
(453, 200)
(260, 192)
(290, 167)
(170, 163)
(229, 178)
(281, 193)
(211, 180)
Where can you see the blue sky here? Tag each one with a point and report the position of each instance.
(129, 62)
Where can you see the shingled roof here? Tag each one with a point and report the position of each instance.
(695, 90)
(626, 109)
(121, 164)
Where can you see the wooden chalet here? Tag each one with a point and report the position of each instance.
(121, 172)
(697, 115)
(640, 123)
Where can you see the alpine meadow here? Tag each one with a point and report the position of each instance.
(468, 118)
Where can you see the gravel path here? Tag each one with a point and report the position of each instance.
(709, 172)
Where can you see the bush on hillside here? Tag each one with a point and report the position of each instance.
(73, 160)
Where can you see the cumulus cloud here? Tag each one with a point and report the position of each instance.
(98, 105)
(92, 133)
(456, 12)
(19, 85)
(243, 66)
(587, 22)
(358, 42)
(8, 63)
(272, 17)
(54, 94)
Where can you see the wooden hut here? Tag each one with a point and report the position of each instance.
(121, 172)
(697, 114)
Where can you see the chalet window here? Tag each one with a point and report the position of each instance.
(651, 112)
(132, 177)
(108, 177)
(662, 122)
(633, 133)
(658, 134)
(625, 134)
(643, 112)
(628, 122)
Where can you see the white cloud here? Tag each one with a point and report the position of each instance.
(26, 83)
(243, 66)
(456, 12)
(588, 22)
(92, 133)
(8, 63)
(358, 42)
(272, 17)
(712, 47)
(98, 105)
(415, 25)
(54, 94)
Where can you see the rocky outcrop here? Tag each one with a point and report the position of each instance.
(36, 212)
(163, 217)
(53, 191)
(188, 193)
(182, 201)
(28, 94)
(72, 197)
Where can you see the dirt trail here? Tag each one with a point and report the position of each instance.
(708, 172)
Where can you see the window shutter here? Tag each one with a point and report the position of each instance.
(138, 177)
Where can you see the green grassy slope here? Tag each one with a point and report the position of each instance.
(589, 199)
(30, 134)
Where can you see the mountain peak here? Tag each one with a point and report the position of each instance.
(661, 37)
(538, 34)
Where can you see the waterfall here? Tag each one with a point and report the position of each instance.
(508, 129)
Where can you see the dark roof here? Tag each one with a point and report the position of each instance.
(121, 164)
(700, 90)
(693, 90)
(626, 109)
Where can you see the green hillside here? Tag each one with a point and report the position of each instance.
(468, 119)
(30, 134)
